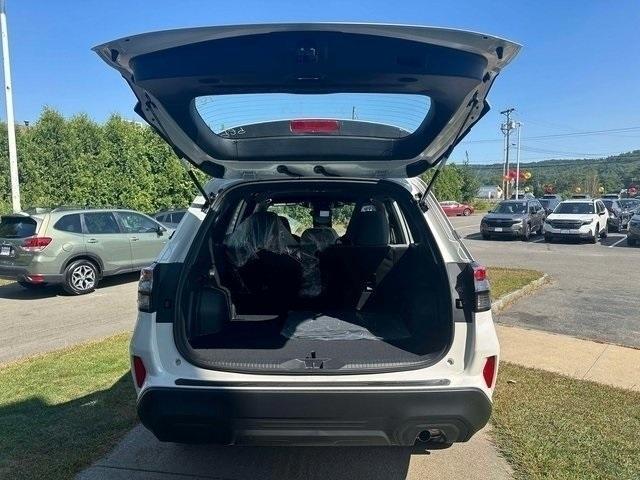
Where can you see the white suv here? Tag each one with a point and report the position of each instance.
(577, 219)
(314, 294)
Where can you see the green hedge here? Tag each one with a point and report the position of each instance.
(79, 162)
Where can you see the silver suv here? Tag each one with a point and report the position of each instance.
(76, 247)
(315, 294)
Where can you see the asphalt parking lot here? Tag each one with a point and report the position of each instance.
(594, 294)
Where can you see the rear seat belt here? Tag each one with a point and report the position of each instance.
(369, 289)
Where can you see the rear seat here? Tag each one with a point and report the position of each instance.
(352, 270)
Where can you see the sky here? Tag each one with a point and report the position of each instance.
(576, 79)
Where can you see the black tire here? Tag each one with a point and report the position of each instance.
(31, 286)
(632, 242)
(616, 228)
(605, 232)
(80, 277)
(548, 238)
(526, 233)
(466, 212)
(594, 238)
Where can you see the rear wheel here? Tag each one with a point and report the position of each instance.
(466, 212)
(526, 232)
(548, 238)
(594, 238)
(80, 277)
(631, 242)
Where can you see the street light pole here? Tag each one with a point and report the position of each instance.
(11, 124)
(519, 125)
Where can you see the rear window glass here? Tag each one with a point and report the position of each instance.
(17, 227)
(97, 223)
(578, 208)
(176, 217)
(224, 114)
(69, 223)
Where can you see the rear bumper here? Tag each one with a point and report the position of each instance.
(311, 417)
(24, 274)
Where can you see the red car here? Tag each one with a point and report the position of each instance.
(453, 209)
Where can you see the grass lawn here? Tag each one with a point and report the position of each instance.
(63, 410)
(507, 280)
(554, 427)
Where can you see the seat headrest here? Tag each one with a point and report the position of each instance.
(320, 237)
(369, 224)
(260, 231)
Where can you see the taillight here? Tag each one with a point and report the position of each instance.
(314, 126)
(145, 289)
(139, 371)
(489, 371)
(481, 289)
(35, 244)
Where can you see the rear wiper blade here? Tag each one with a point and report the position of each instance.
(422, 202)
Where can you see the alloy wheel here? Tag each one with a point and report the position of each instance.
(83, 277)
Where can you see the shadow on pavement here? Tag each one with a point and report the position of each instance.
(45, 439)
(141, 452)
(14, 291)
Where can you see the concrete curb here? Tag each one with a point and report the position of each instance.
(603, 363)
(506, 300)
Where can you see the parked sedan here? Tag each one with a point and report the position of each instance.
(170, 218)
(452, 209)
(633, 232)
(618, 216)
(515, 218)
(549, 203)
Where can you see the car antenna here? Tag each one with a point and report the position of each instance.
(196, 182)
(443, 159)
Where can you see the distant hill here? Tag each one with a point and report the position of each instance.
(565, 176)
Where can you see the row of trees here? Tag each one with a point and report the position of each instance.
(77, 161)
(566, 177)
(455, 182)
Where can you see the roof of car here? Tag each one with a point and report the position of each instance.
(580, 200)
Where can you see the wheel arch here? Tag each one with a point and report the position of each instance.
(84, 256)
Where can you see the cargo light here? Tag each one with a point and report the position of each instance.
(314, 126)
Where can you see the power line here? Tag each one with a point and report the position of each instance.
(563, 135)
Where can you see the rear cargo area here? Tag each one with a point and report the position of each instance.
(366, 294)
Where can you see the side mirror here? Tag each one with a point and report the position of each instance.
(160, 230)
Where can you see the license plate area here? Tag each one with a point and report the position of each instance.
(498, 229)
(6, 251)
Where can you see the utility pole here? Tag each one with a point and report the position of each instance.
(506, 128)
(519, 125)
(11, 126)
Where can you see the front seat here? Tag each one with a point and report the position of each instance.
(266, 258)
